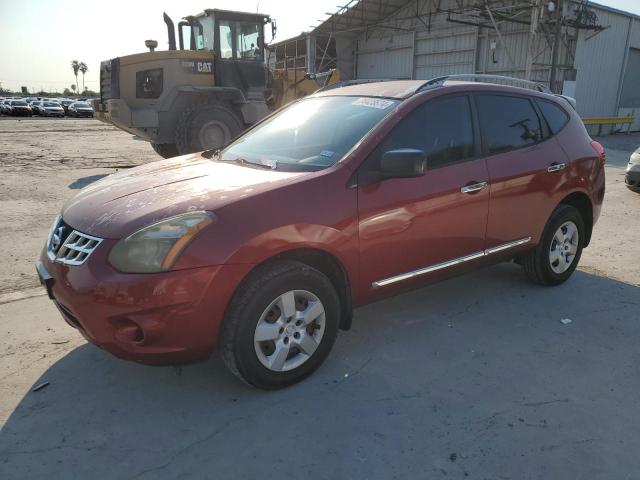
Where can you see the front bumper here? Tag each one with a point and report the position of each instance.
(163, 318)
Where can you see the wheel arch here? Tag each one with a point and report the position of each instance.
(584, 205)
(326, 263)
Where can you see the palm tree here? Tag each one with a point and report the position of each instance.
(84, 69)
(75, 65)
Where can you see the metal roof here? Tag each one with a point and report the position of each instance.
(358, 15)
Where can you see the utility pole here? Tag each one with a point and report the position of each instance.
(553, 76)
(533, 30)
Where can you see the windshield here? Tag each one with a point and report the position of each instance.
(19, 103)
(81, 105)
(50, 104)
(311, 134)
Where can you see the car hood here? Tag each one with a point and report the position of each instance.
(122, 203)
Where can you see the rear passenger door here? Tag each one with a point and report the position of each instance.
(526, 168)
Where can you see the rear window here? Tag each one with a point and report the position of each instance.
(555, 116)
(507, 122)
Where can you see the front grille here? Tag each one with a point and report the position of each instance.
(109, 79)
(68, 246)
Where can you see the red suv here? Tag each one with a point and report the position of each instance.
(262, 250)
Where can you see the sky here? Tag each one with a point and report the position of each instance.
(39, 38)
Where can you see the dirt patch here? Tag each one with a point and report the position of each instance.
(42, 163)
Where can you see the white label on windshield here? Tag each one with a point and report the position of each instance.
(380, 103)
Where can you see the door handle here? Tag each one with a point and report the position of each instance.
(474, 187)
(555, 167)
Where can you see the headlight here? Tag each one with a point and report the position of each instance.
(157, 247)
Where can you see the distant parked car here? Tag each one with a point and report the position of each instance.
(80, 109)
(4, 106)
(35, 107)
(51, 109)
(19, 108)
(65, 102)
(632, 177)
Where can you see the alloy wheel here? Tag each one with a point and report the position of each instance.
(564, 247)
(289, 330)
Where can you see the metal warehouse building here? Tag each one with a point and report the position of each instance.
(579, 48)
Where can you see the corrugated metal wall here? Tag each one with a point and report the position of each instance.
(427, 45)
(449, 51)
(386, 56)
(599, 63)
(412, 47)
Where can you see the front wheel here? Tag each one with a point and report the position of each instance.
(557, 255)
(280, 326)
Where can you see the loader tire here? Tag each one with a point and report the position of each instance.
(206, 127)
(165, 150)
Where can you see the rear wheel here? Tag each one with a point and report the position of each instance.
(280, 326)
(557, 255)
(165, 150)
(207, 127)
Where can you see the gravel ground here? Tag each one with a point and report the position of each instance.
(475, 377)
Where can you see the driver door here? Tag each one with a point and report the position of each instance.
(412, 228)
(239, 59)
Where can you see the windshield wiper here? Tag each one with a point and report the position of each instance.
(243, 161)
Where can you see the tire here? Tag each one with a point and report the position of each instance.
(205, 128)
(257, 302)
(557, 254)
(165, 150)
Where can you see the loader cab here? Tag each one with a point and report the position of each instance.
(238, 43)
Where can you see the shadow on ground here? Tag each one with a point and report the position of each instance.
(475, 377)
(84, 181)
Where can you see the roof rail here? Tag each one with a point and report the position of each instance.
(483, 78)
(346, 83)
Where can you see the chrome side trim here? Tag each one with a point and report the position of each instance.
(422, 271)
(449, 263)
(505, 246)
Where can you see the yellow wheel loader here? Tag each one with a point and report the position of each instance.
(202, 92)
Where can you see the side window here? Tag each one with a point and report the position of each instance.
(507, 122)
(555, 116)
(226, 39)
(441, 127)
(247, 41)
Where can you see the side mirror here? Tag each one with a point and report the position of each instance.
(274, 29)
(403, 163)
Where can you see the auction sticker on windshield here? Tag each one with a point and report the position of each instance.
(380, 103)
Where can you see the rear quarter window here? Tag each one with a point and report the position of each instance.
(555, 116)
